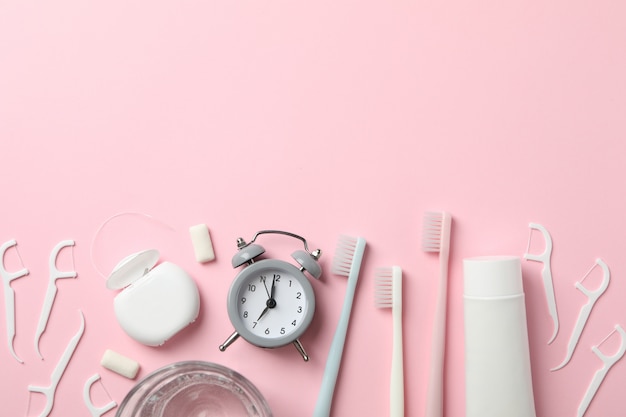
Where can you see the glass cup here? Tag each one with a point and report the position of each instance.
(194, 389)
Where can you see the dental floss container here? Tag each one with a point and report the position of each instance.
(498, 379)
(155, 302)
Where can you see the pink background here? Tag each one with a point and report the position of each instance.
(321, 118)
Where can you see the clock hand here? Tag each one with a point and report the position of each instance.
(265, 286)
(272, 290)
(263, 313)
(270, 303)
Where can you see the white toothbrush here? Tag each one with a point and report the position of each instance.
(436, 238)
(347, 262)
(388, 294)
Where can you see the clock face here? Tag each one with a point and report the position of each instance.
(271, 303)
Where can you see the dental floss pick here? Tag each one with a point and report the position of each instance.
(546, 274)
(95, 411)
(585, 311)
(600, 374)
(9, 294)
(50, 391)
(52, 290)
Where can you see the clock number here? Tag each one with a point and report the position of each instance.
(253, 324)
(263, 278)
(282, 330)
(245, 314)
(243, 300)
(289, 283)
(299, 309)
(298, 295)
(293, 323)
(251, 287)
(277, 277)
(267, 331)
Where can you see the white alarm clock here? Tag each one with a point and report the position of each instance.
(271, 302)
(155, 302)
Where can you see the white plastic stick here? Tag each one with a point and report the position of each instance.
(600, 374)
(546, 274)
(585, 311)
(95, 411)
(50, 391)
(51, 290)
(9, 296)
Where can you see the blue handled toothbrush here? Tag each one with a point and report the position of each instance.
(347, 262)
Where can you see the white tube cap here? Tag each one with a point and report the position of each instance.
(492, 276)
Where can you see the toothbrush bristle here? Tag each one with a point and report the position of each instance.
(383, 292)
(433, 227)
(387, 283)
(347, 248)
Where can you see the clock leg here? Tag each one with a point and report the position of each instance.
(229, 341)
(298, 346)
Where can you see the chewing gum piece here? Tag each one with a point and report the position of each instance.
(119, 364)
(202, 245)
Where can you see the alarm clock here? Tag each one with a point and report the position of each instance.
(271, 302)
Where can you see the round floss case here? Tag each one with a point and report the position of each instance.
(194, 389)
(155, 302)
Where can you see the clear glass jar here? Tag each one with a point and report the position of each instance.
(194, 389)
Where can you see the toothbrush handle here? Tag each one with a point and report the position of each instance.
(333, 362)
(397, 367)
(434, 399)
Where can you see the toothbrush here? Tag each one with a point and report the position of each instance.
(436, 238)
(347, 262)
(388, 294)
